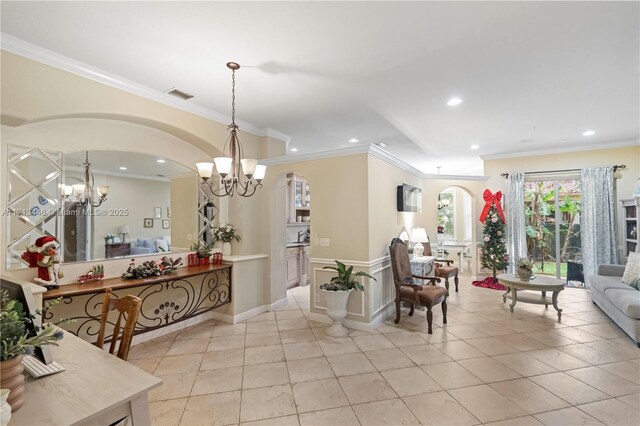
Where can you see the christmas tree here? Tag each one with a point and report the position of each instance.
(494, 250)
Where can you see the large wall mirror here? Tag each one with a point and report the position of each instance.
(135, 219)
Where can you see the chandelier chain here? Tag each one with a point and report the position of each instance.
(233, 98)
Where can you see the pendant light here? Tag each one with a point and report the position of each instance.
(85, 193)
(239, 175)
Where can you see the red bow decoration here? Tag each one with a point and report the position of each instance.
(491, 199)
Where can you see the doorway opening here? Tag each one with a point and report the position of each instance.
(552, 209)
(455, 226)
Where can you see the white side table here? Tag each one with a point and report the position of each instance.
(422, 266)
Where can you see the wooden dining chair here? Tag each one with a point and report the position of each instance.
(414, 294)
(128, 307)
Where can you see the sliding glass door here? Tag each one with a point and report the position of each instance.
(552, 208)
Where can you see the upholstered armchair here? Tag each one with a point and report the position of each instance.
(413, 294)
(443, 268)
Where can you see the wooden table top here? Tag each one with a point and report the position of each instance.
(539, 282)
(116, 283)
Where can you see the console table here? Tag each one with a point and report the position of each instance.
(166, 299)
(96, 388)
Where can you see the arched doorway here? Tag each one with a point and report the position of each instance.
(454, 213)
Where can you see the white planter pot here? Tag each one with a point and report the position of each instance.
(226, 249)
(337, 310)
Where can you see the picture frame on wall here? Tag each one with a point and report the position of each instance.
(157, 212)
(169, 212)
(148, 222)
(166, 224)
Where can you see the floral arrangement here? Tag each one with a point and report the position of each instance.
(151, 268)
(13, 329)
(225, 233)
(524, 263)
(109, 237)
(202, 250)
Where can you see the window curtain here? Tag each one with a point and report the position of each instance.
(597, 219)
(516, 234)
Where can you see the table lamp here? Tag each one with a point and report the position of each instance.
(124, 229)
(419, 236)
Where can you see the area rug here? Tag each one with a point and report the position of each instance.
(489, 282)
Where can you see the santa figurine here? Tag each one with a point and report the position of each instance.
(43, 254)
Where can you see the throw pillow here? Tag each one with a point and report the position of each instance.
(636, 283)
(632, 270)
(163, 245)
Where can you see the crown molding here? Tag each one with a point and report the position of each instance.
(594, 147)
(372, 150)
(48, 57)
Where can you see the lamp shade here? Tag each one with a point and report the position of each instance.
(78, 189)
(259, 173)
(205, 170)
(248, 166)
(124, 229)
(103, 190)
(419, 235)
(223, 165)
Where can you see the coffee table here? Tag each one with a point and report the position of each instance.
(540, 283)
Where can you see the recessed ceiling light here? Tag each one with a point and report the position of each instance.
(123, 168)
(354, 140)
(294, 149)
(454, 101)
(563, 140)
(474, 147)
(588, 133)
(382, 144)
(160, 160)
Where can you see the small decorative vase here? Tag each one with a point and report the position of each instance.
(226, 249)
(109, 241)
(524, 274)
(337, 311)
(5, 408)
(11, 378)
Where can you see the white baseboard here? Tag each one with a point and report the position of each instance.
(139, 338)
(278, 303)
(234, 319)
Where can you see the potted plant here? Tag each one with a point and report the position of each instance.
(525, 268)
(109, 238)
(337, 293)
(203, 252)
(16, 342)
(225, 233)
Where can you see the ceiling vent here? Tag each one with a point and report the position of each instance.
(179, 94)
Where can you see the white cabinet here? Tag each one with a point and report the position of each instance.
(299, 198)
(293, 268)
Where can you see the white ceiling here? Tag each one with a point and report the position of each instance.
(325, 72)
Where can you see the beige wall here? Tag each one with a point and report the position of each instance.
(630, 156)
(32, 91)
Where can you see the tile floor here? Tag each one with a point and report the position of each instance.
(487, 366)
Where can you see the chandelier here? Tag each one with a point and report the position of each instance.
(442, 203)
(234, 180)
(85, 193)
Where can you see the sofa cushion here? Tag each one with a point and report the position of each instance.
(602, 283)
(632, 269)
(635, 283)
(627, 300)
